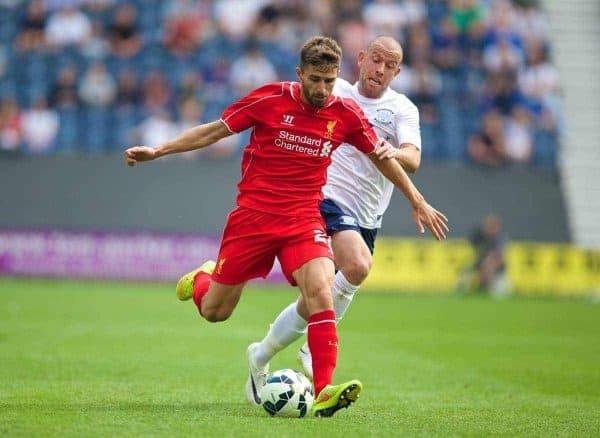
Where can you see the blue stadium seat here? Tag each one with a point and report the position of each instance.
(176, 67)
(436, 11)
(545, 149)
(8, 28)
(95, 125)
(429, 141)
(452, 130)
(452, 83)
(68, 134)
(123, 120)
(8, 88)
(149, 14)
(151, 57)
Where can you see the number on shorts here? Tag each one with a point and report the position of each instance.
(321, 237)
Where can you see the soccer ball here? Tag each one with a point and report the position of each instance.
(287, 393)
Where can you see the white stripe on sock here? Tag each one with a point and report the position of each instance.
(321, 322)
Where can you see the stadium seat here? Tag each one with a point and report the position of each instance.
(545, 149)
(452, 130)
(68, 134)
(429, 141)
(123, 120)
(94, 128)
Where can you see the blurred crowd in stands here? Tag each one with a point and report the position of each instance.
(99, 75)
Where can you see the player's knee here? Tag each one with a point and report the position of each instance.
(357, 270)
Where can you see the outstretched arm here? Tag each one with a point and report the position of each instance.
(194, 138)
(408, 155)
(423, 213)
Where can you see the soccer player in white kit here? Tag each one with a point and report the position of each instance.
(356, 196)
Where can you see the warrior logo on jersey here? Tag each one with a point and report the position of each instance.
(288, 120)
(384, 116)
(330, 127)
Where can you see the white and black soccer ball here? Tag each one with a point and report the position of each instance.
(287, 393)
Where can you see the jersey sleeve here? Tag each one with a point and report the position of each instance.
(250, 109)
(361, 134)
(407, 126)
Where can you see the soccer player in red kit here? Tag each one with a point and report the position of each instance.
(295, 128)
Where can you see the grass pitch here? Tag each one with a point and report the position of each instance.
(113, 359)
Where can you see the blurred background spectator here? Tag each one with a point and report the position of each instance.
(11, 127)
(40, 126)
(106, 66)
(488, 272)
(67, 26)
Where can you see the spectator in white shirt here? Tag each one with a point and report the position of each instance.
(518, 131)
(40, 127)
(97, 87)
(251, 70)
(67, 26)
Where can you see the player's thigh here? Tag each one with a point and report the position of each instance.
(315, 279)
(350, 249)
(303, 240)
(247, 248)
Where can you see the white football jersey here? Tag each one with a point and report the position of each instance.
(353, 182)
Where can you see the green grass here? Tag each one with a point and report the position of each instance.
(105, 359)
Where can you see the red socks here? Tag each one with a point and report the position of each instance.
(201, 283)
(323, 344)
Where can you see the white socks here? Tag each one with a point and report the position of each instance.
(342, 292)
(287, 327)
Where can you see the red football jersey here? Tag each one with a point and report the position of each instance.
(285, 164)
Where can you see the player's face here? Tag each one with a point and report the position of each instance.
(378, 67)
(317, 85)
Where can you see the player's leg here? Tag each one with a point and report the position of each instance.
(246, 252)
(291, 323)
(220, 301)
(287, 327)
(352, 248)
(353, 260)
(307, 261)
(215, 301)
(314, 279)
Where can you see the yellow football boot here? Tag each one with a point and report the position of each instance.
(335, 397)
(185, 285)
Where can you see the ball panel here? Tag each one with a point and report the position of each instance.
(287, 393)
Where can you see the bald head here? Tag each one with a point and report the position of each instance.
(379, 64)
(387, 45)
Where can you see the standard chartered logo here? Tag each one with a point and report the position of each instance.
(303, 144)
(326, 150)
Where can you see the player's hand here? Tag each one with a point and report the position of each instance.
(425, 215)
(139, 153)
(384, 150)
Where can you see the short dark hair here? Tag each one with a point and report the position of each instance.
(322, 52)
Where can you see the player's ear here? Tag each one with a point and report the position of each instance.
(299, 73)
(361, 57)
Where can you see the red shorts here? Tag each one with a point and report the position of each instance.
(252, 239)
